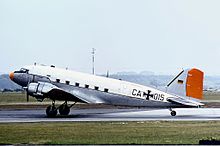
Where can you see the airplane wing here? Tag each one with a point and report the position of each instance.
(183, 101)
(61, 94)
(53, 92)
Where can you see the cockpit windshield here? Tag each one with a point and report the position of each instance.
(22, 70)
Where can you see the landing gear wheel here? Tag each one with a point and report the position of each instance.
(51, 111)
(64, 110)
(173, 113)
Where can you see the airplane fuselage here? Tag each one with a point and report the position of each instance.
(41, 82)
(99, 89)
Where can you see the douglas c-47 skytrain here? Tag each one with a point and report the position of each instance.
(185, 90)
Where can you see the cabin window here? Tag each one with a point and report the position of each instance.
(77, 84)
(22, 70)
(67, 82)
(96, 88)
(105, 90)
(86, 86)
(57, 80)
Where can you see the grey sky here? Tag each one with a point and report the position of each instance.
(129, 35)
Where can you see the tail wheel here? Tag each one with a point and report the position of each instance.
(173, 113)
(64, 109)
(51, 111)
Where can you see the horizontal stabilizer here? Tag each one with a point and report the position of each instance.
(184, 101)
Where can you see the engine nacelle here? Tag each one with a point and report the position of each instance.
(32, 88)
(40, 88)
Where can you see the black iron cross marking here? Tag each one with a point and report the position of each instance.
(148, 95)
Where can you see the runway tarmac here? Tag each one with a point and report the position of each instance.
(38, 115)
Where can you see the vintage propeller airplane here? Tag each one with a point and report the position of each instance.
(39, 81)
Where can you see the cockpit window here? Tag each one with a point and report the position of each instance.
(22, 70)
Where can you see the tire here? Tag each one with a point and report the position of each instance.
(64, 110)
(51, 111)
(173, 113)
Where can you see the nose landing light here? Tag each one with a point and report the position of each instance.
(11, 75)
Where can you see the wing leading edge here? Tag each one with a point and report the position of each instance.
(53, 92)
(73, 95)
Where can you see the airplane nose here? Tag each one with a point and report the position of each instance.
(11, 75)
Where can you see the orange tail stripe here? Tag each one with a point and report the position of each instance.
(194, 84)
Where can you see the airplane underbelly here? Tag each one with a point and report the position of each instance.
(129, 101)
(96, 96)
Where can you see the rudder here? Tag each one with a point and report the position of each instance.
(194, 83)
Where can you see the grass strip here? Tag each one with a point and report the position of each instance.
(152, 132)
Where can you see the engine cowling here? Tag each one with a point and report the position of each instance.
(33, 88)
(40, 88)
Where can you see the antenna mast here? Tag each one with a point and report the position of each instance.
(93, 61)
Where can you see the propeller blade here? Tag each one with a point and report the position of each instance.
(26, 88)
(27, 96)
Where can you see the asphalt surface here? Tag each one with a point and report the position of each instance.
(38, 115)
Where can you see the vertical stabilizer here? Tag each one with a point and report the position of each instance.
(188, 83)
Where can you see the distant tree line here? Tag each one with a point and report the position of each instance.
(10, 90)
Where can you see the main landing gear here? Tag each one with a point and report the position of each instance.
(64, 109)
(172, 112)
(51, 110)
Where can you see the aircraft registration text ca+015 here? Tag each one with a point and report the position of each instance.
(147, 95)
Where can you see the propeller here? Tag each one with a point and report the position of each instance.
(26, 92)
(27, 95)
(26, 89)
